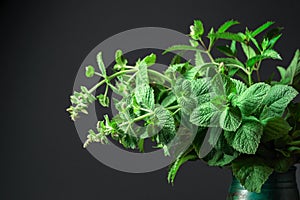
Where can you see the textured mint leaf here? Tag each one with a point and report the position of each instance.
(166, 124)
(252, 98)
(142, 77)
(270, 53)
(247, 137)
(89, 71)
(206, 115)
(197, 30)
(221, 159)
(182, 48)
(231, 119)
(277, 100)
(261, 28)
(251, 172)
(224, 27)
(248, 50)
(101, 64)
(227, 36)
(275, 128)
(144, 95)
(239, 86)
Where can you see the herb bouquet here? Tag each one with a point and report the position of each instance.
(251, 126)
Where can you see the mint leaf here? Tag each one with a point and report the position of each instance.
(205, 115)
(275, 128)
(261, 28)
(101, 64)
(231, 119)
(170, 99)
(103, 100)
(144, 95)
(89, 71)
(270, 53)
(197, 30)
(247, 137)
(277, 100)
(120, 60)
(292, 71)
(251, 172)
(249, 51)
(181, 159)
(150, 59)
(224, 27)
(252, 97)
(226, 36)
(182, 48)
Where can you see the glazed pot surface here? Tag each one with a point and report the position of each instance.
(279, 186)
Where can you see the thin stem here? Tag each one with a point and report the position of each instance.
(109, 78)
(207, 51)
(240, 67)
(249, 79)
(173, 107)
(258, 76)
(160, 75)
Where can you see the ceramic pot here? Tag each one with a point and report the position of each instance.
(279, 186)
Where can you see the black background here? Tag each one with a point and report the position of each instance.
(42, 46)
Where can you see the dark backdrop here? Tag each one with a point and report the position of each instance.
(42, 46)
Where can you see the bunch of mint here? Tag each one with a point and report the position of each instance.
(254, 126)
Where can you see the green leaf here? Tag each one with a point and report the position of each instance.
(261, 28)
(249, 51)
(231, 119)
(89, 71)
(150, 59)
(101, 64)
(226, 36)
(293, 69)
(226, 50)
(251, 172)
(247, 137)
(144, 95)
(206, 115)
(252, 98)
(120, 60)
(142, 74)
(182, 48)
(103, 100)
(170, 99)
(239, 86)
(224, 27)
(181, 159)
(198, 59)
(166, 124)
(277, 100)
(275, 128)
(270, 53)
(197, 30)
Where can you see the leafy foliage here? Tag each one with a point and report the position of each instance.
(244, 123)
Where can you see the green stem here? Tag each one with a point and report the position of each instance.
(111, 77)
(159, 75)
(250, 79)
(240, 67)
(207, 51)
(173, 107)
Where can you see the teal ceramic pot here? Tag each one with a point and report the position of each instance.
(279, 186)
